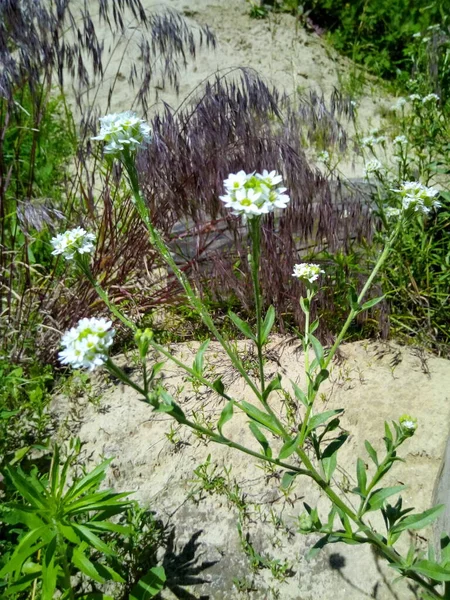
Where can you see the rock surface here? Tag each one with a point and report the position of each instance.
(373, 382)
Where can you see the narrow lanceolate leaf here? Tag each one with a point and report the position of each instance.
(150, 585)
(26, 488)
(287, 479)
(225, 415)
(275, 384)
(92, 539)
(49, 571)
(197, 367)
(432, 570)
(289, 447)
(83, 564)
(361, 476)
(322, 418)
(267, 324)
(329, 456)
(371, 452)
(260, 417)
(420, 520)
(261, 439)
(218, 386)
(371, 303)
(321, 377)
(317, 347)
(377, 499)
(242, 326)
(26, 547)
(299, 394)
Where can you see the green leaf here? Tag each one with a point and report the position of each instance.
(170, 407)
(371, 303)
(82, 562)
(275, 384)
(218, 386)
(445, 548)
(261, 439)
(260, 417)
(299, 394)
(317, 347)
(92, 539)
(322, 418)
(431, 570)
(304, 303)
(377, 499)
(26, 488)
(329, 456)
(92, 479)
(49, 571)
(321, 377)
(26, 547)
(317, 547)
(242, 326)
(21, 584)
(287, 479)
(225, 415)
(197, 367)
(419, 520)
(267, 324)
(371, 452)
(289, 447)
(95, 596)
(314, 325)
(150, 585)
(361, 476)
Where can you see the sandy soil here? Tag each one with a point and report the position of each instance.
(373, 382)
(278, 48)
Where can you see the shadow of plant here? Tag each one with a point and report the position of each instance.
(183, 568)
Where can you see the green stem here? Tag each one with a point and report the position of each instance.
(66, 571)
(254, 226)
(353, 311)
(84, 267)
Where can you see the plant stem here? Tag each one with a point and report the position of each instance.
(254, 226)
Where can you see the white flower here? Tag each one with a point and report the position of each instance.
(425, 40)
(430, 98)
(308, 271)
(392, 212)
(415, 98)
(324, 156)
(254, 194)
(418, 197)
(270, 179)
(353, 103)
(74, 241)
(373, 166)
(122, 130)
(417, 35)
(372, 140)
(433, 27)
(85, 346)
(236, 181)
(399, 104)
(402, 140)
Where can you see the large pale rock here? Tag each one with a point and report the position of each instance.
(373, 382)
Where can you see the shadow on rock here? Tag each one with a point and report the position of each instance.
(183, 568)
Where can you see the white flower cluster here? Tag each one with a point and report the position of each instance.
(430, 98)
(373, 166)
(372, 140)
(254, 194)
(308, 271)
(122, 130)
(324, 156)
(391, 212)
(85, 346)
(415, 98)
(73, 241)
(402, 140)
(400, 103)
(418, 197)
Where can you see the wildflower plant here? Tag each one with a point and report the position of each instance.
(307, 450)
